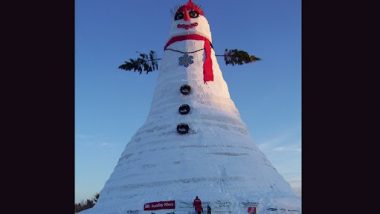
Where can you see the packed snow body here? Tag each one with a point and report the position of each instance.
(217, 160)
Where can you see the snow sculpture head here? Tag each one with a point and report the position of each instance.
(190, 19)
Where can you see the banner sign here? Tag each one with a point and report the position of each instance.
(251, 210)
(159, 205)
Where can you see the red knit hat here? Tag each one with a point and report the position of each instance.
(190, 6)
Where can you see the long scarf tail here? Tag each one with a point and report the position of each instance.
(207, 65)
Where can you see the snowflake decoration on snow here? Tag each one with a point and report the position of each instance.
(185, 60)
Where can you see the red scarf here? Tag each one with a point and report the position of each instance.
(207, 65)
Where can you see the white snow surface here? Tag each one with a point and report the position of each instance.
(217, 160)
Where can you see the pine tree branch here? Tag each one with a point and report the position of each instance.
(145, 62)
(238, 57)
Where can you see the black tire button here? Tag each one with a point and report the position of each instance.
(185, 89)
(184, 109)
(183, 128)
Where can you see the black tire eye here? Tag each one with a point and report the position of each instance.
(178, 16)
(193, 14)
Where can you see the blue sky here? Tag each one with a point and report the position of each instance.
(110, 105)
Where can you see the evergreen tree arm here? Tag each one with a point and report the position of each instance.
(144, 63)
(238, 57)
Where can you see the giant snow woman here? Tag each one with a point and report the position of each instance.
(193, 142)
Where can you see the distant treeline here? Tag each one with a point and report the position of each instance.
(86, 204)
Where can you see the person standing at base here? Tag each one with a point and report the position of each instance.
(208, 209)
(197, 204)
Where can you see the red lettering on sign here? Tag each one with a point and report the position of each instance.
(159, 205)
